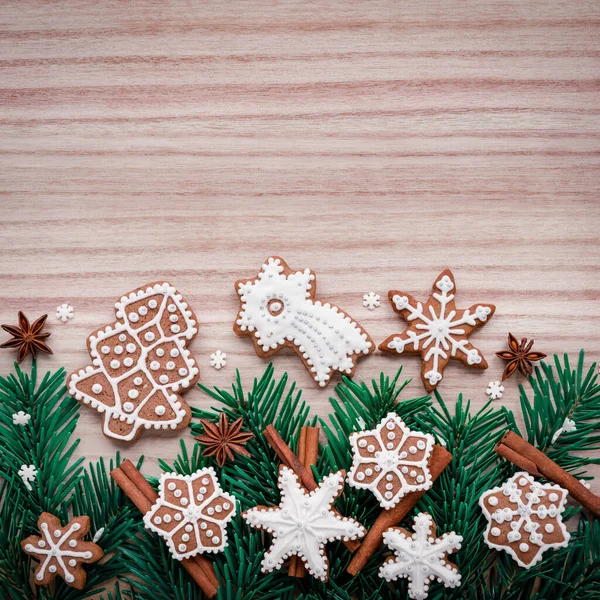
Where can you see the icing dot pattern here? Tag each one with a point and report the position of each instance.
(141, 345)
(278, 308)
(181, 513)
(524, 518)
(391, 460)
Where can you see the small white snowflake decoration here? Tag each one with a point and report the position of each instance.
(28, 474)
(371, 300)
(494, 390)
(567, 426)
(191, 513)
(21, 418)
(421, 557)
(391, 460)
(303, 523)
(218, 359)
(64, 312)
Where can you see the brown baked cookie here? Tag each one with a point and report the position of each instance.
(438, 331)
(140, 362)
(278, 309)
(61, 550)
(525, 518)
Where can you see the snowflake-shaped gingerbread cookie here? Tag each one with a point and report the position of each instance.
(391, 460)
(191, 513)
(303, 523)
(438, 331)
(62, 550)
(278, 308)
(525, 518)
(140, 362)
(421, 557)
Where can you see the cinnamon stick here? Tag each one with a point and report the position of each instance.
(289, 459)
(521, 453)
(308, 450)
(440, 459)
(143, 495)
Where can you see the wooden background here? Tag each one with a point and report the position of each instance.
(376, 143)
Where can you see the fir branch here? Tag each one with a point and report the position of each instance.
(566, 393)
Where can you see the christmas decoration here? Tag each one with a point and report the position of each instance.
(21, 418)
(304, 523)
(140, 362)
(525, 518)
(278, 308)
(421, 557)
(371, 300)
(64, 312)
(438, 331)
(218, 359)
(495, 390)
(28, 474)
(223, 440)
(191, 513)
(146, 568)
(62, 550)
(391, 460)
(519, 356)
(28, 339)
(567, 426)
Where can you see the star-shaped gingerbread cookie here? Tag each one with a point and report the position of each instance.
(438, 331)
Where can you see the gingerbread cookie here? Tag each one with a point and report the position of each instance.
(61, 550)
(303, 523)
(278, 309)
(139, 362)
(191, 513)
(421, 557)
(525, 518)
(391, 460)
(438, 330)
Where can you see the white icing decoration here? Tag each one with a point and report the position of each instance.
(160, 410)
(64, 312)
(494, 390)
(324, 336)
(193, 516)
(434, 335)
(525, 510)
(28, 474)
(393, 462)
(567, 426)
(420, 557)
(53, 549)
(303, 523)
(21, 418)
(128, 324)
(218, 359)
(371, 300)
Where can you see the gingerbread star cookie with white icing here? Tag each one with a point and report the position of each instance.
(438, 331)
(304, 523)
(62, 550)
(140, 363)
(525, 518)
(391, 460)
(191, 513)
(278, 308)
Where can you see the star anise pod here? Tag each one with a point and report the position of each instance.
(27, 338)
(519, 356)
(223, 439)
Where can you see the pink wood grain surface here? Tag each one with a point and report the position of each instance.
(376, 143)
